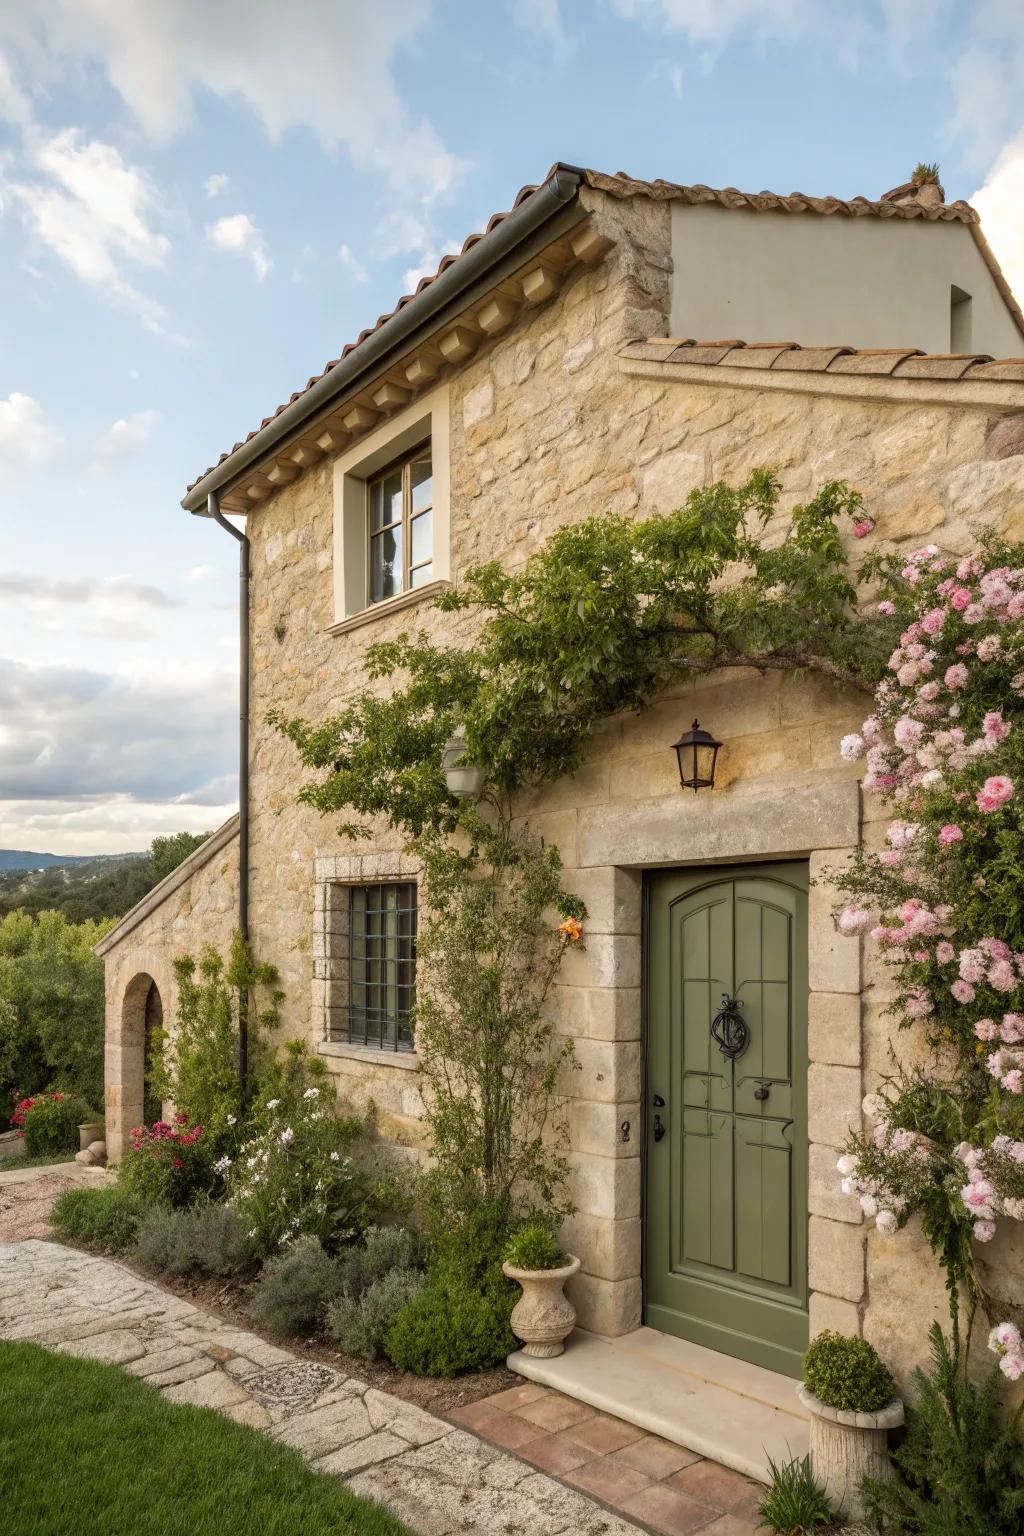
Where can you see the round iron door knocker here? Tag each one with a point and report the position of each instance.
(729, 1031)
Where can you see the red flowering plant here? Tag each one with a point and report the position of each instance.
(49, 1122)
(944, 748)
(167, 1163)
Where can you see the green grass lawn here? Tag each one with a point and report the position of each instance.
(87, 1451)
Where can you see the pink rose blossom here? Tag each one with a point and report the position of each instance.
(851, 747)
(962, 991)
(863, 528)
(994, 793)
(989, 646)
(959, 598)
(984, 1231)
(944, 952)
(972, 965)
(985, 1029)
(950, 833)
(886, 607)
(1001, 976)
(1013, 1081)
(956, 675)
(994, 728)
(919, 1005)
(853, 919)
(1011, 1031)
(974, 613)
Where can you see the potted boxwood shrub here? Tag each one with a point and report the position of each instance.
(851, 1398)
(543, 1317)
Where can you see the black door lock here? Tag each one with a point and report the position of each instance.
(659, 1129)
(762, 1090)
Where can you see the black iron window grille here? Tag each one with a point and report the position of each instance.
(381, 966)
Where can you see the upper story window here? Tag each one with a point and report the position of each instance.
(400, 533)
(392, 544)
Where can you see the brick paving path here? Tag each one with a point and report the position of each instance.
(671, 1491)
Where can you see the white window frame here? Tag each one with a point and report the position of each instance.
(426, 419)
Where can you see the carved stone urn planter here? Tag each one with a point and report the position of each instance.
(543, 1317)
(90, 1131)
(846, 1447)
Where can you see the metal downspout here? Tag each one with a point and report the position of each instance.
(213, 509)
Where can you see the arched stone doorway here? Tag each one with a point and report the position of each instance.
(132, 1102)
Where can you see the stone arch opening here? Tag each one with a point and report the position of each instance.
(142, 1014)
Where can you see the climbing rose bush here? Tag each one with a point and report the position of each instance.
(944, 749)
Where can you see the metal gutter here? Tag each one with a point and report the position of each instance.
(556, 194)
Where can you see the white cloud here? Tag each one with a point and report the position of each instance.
(14, 106)
(111, 591)
(239, 233)
(127, 435)
(353, 266)
(215, 184)
(430, 260)
(27, 437)
(329, 69)
(104, 823)
(202, 573)
(94, 211)
(1001, 205)
(155, 733)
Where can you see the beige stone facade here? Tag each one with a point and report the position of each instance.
(552, 421)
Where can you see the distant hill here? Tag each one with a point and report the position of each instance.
(95, 886)
(15, 858)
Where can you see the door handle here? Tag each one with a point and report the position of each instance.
(659, 1129)
(762, 1090)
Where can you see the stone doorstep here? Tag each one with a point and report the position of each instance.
(731, 1412)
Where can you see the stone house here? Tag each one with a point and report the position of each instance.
(549, 371)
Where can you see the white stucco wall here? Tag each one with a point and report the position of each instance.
(828, 281)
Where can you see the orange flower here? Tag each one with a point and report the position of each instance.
(572, 929)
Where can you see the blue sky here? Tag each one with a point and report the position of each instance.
(202, 200)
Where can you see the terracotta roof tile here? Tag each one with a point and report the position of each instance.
(622, 185)
(789, 357)
(938, 365)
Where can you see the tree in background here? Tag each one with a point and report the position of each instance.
(166, 853)
(51, 1007)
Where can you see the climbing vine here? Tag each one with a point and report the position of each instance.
(600, 620)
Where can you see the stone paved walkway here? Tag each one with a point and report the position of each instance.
(439, 1478)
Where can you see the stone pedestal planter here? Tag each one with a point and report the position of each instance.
(847, 1447)
(12, 1145)
(543, 1317)
(90, 1131)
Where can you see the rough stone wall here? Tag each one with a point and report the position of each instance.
(202, 909)
(547, 428)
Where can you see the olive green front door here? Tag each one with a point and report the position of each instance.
(726, 1121)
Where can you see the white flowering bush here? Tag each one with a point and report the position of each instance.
(944, 747)
(294, 1176)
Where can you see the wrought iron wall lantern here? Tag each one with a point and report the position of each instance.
(697, 752)
(464, 780)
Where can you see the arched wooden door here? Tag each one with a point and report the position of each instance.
(726, 1188)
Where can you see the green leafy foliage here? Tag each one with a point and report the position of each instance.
(379, 1277)
(104, 1219)
(50, 1123)
(167, 1163)
(795, 1504)
(847, 1373)
(208, 1238)
(195, 1060)
(534, 1246)
(294, 1289)
(166, 853)
(294, 1174)
(51, 1007)
(600, 620)
(960, 1465)
(450, 1328)
(491, 1061)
